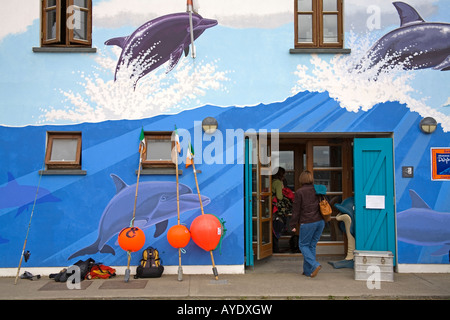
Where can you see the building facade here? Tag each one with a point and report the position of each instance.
(353, 91)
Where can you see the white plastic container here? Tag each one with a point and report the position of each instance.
(375, 264)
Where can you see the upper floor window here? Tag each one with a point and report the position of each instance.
(66, 23)
(318, 24)
(63, 150)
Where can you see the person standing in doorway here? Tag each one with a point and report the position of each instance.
(306, 212)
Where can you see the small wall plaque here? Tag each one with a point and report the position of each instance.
(408, 172)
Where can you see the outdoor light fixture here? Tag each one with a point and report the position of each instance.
(428, 125)
(209, 125)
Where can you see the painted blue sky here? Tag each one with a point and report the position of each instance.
(243, 61)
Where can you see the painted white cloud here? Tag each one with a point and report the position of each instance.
(14, 20)
(231, 13)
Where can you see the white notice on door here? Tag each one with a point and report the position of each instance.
(375, 202)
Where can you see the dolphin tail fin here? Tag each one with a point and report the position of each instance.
(92, 249)
(120, 42)
(108, 249)
(407, 14)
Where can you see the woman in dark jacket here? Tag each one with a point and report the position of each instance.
(306, 213)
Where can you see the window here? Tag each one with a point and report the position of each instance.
(318, 24)
(63, 150)
(66, 23)
(159, 150)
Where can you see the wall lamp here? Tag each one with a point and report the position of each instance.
(428, 125)
(209, 125)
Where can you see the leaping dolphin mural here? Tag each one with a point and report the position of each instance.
(156, 203)
(420, 225)
(416, 44)
(22, 196)
(158, 41)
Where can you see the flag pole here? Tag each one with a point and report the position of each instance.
(190, 8)
(216, 274)
(175, 151)
(141, 152)
(180, 268)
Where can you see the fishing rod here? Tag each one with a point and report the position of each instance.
(29, 226)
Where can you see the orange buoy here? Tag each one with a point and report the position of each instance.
(178, 236)
(206, 231)
(131, 239)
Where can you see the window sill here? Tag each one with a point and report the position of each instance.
(162, 171)
(61, 172)
(64, 49)
(320, 50)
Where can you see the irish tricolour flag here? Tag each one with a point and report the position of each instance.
(190, 155)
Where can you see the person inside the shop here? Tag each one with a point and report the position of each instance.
(282, 198)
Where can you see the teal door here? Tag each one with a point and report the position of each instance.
(374, 195)
(248, 183)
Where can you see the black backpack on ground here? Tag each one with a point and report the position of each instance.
(151, 264)
(85, 266)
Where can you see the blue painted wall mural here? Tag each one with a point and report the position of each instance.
(244, 77)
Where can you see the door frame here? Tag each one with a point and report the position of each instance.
(253, 203)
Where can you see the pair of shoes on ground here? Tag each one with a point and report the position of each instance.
(30, 276)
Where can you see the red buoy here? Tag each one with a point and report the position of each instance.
(178, 236)
(206, 231)
(131, 239)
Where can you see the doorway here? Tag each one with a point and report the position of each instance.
(330, 157)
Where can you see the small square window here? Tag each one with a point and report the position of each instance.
(63, 150)
(159, 150)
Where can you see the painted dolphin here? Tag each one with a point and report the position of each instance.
(15, 195)
(156, 203)
(158, 41)
(3, 240)
(420, 225)
(416, 44)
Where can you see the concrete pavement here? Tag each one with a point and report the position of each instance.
(274, 278)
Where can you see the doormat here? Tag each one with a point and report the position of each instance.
(136, 284)
(58, 286)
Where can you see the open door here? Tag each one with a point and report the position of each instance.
(258, 203)
(374, 194)
(248, 198)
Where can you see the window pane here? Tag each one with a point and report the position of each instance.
(305, 28)
(330, 28)
(266, 204)
(331, 179)
(80, 25)
(329, 5)
(265, 183)
(265, 232)
(51, 25)
(51, 3)
(159, 150)
(327, 156)
(304, 5)
(80, 3)
(64, 150)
